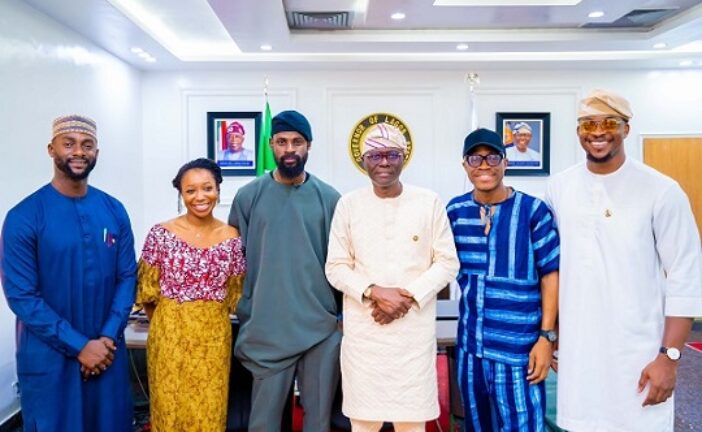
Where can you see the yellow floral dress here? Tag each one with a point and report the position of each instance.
(189, 344)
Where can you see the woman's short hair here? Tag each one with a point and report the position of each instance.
(200, 163)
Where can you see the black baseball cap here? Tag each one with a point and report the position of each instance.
(484, 137)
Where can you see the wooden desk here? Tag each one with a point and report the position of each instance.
(135, 334)
(446, 333)
(137, 331)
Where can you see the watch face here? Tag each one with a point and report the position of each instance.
(550, 335)
(673, 353)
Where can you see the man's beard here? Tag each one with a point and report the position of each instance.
(64, 166)
(603, 159)
(290, 172)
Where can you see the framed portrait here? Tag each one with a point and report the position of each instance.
(232, 141)
(527, 139)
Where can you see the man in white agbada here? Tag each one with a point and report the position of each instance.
(630, 280)
(520, 151)
(390, 252)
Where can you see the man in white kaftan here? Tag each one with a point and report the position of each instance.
(630, 280)
(390, 252)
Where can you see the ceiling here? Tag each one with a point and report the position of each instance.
(433, 33)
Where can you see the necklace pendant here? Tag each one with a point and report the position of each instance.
(488, 225)
(486, 214)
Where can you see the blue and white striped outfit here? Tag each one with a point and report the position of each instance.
(500, 307)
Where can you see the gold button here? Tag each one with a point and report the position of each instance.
(415, 238)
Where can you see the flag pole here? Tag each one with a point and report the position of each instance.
(265, 161)
(473, 80)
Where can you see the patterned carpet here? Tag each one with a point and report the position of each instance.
(688, 394)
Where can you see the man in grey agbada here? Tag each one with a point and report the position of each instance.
(288, 310)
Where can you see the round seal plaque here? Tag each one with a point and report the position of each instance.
(360, 130)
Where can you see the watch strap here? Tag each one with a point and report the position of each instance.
(549, 335)
(368, 291)
(673, 353)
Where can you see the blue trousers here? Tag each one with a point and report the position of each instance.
(498, 398)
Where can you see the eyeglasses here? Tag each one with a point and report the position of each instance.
(475, 160)
(391, 156)
(610, 124)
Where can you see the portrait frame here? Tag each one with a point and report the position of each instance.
(221, 145)
(535, 159)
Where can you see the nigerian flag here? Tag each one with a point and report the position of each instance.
(264, 157)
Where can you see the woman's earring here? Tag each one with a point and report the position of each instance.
(180, 204)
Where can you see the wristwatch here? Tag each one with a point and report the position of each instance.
(550, 335)
(672, 353)
(367, 293)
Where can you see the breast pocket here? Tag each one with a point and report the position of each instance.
(108, 242)
(415, 236)
(629, 225)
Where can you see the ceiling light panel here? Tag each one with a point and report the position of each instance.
(190, 32)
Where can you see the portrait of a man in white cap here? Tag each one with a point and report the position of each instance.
(522, 150)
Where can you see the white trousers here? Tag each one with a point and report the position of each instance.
(374, 426)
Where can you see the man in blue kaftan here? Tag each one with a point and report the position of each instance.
(68, 271)
(509, 250)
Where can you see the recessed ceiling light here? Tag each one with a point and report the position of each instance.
(596, 14)
(266, 47)
(137, 50)
(462, 47)
(397, 16)
(144, 55)
(660, 45)
(686, 63)
(150, 60)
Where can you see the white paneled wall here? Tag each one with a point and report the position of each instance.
(347, 106)
(434, 104)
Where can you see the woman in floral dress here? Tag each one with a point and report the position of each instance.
(189, 282)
